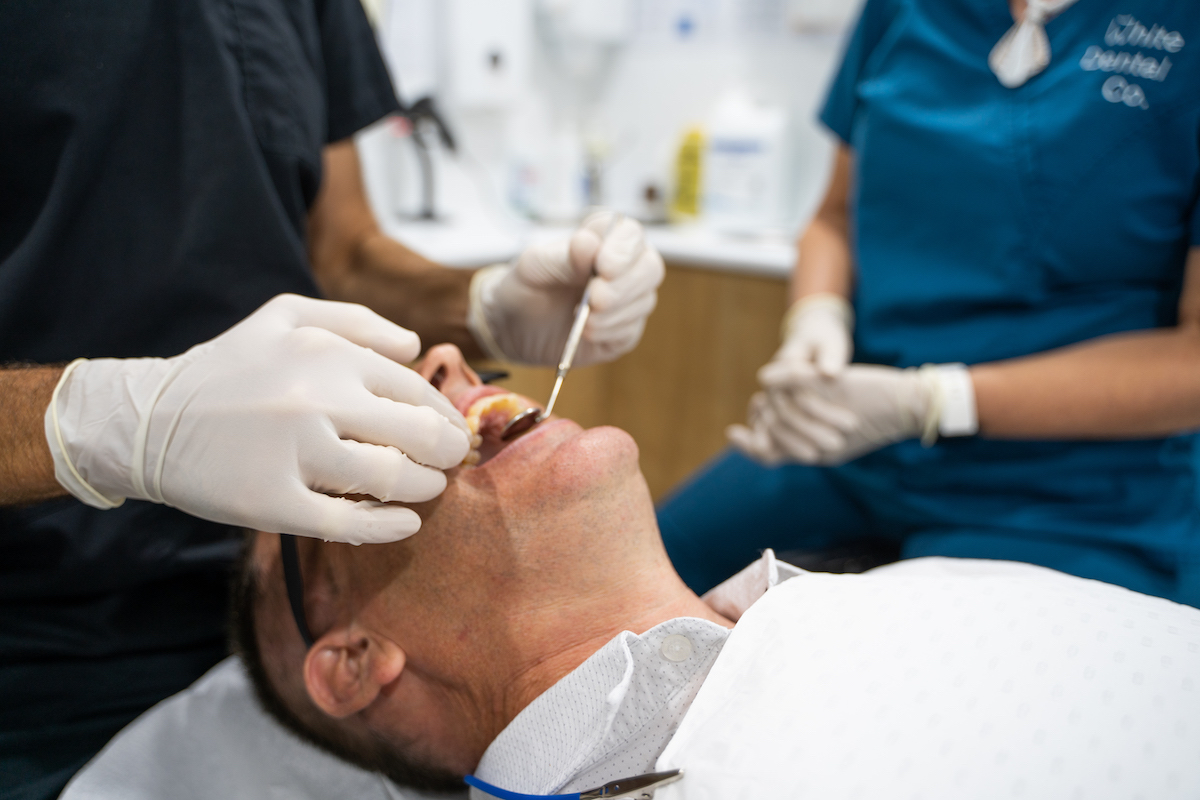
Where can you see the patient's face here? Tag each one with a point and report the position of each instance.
(558, 512)
(522, 522)
(556, 475)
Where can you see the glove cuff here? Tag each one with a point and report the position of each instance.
(482, 285)
(835, 303)
(98, 425)
(952, 411)
(65, 471)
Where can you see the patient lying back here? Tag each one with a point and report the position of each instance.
(538, 576)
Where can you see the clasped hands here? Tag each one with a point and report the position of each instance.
(816, 407)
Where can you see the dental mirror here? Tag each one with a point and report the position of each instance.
(521, 423)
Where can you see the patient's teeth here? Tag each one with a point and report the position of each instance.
(507, 405)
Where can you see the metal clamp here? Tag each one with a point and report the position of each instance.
(640, 788)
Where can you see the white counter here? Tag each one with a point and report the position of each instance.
(478, 231)
(483, 242)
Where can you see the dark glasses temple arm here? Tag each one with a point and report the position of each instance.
(295, 584)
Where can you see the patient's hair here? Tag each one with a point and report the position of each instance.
(368, 750)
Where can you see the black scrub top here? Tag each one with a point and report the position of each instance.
(157, 160)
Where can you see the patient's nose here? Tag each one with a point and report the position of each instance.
(445, 367)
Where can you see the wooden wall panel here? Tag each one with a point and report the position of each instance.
(692, 375)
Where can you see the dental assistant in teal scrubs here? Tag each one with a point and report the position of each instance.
(994, 347)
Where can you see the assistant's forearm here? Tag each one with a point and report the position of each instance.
(408, 289)
(26, 466)
(1134, 385)
(823, 264)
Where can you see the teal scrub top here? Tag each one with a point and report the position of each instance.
(990, 223)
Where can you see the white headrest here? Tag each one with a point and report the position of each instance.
(214, 742)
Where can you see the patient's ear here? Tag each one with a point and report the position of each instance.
(347, 668)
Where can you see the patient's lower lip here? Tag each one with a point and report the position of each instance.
(524, 439)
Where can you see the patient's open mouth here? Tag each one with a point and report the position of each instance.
(486, 418)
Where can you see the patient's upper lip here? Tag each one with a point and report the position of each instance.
(468, 398)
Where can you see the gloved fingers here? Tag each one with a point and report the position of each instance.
(619, 322)
(599, 221)
(835, 416)
(393, 381)
(796, 446)
(767, 422)
(795, 424)
(789, 373)
(584, 247)
(357, 324)
(548, 265)
(755, 444)
(643, 277)
(339, 519)
(385, 473)
(833, 354)
(419, 432)
(623, 247)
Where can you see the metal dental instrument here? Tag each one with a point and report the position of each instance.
(638, 788)
(532, 416)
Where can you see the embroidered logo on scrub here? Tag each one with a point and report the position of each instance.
(1126, 31)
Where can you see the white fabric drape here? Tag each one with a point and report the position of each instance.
(1025, 49)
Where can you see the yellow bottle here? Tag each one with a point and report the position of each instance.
(689, 172)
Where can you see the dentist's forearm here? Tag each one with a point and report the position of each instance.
(410, 290)
(26, 466)
(354, 261)
(1135, 385)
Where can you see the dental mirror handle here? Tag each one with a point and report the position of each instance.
(582, 312)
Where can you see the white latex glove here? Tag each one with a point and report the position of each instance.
(818, 330)
(259, 426)
(806, 417)
(523, 312)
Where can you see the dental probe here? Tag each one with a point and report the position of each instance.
(532, 416)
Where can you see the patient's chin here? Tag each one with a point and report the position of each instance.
(596, 457)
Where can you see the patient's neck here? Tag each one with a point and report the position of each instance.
(558, 634)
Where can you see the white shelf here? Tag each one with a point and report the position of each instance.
(480, 242)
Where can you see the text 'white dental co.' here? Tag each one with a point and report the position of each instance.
(1125, 31)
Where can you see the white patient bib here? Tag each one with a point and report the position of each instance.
(1025, 49)
(903, 684)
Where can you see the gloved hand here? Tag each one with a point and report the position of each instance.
(806, 417)
(523, 313)
(259, 426)
(818, 330)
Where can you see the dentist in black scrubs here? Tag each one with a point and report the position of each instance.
(168, 169)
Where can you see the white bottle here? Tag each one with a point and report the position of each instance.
(744, 166)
